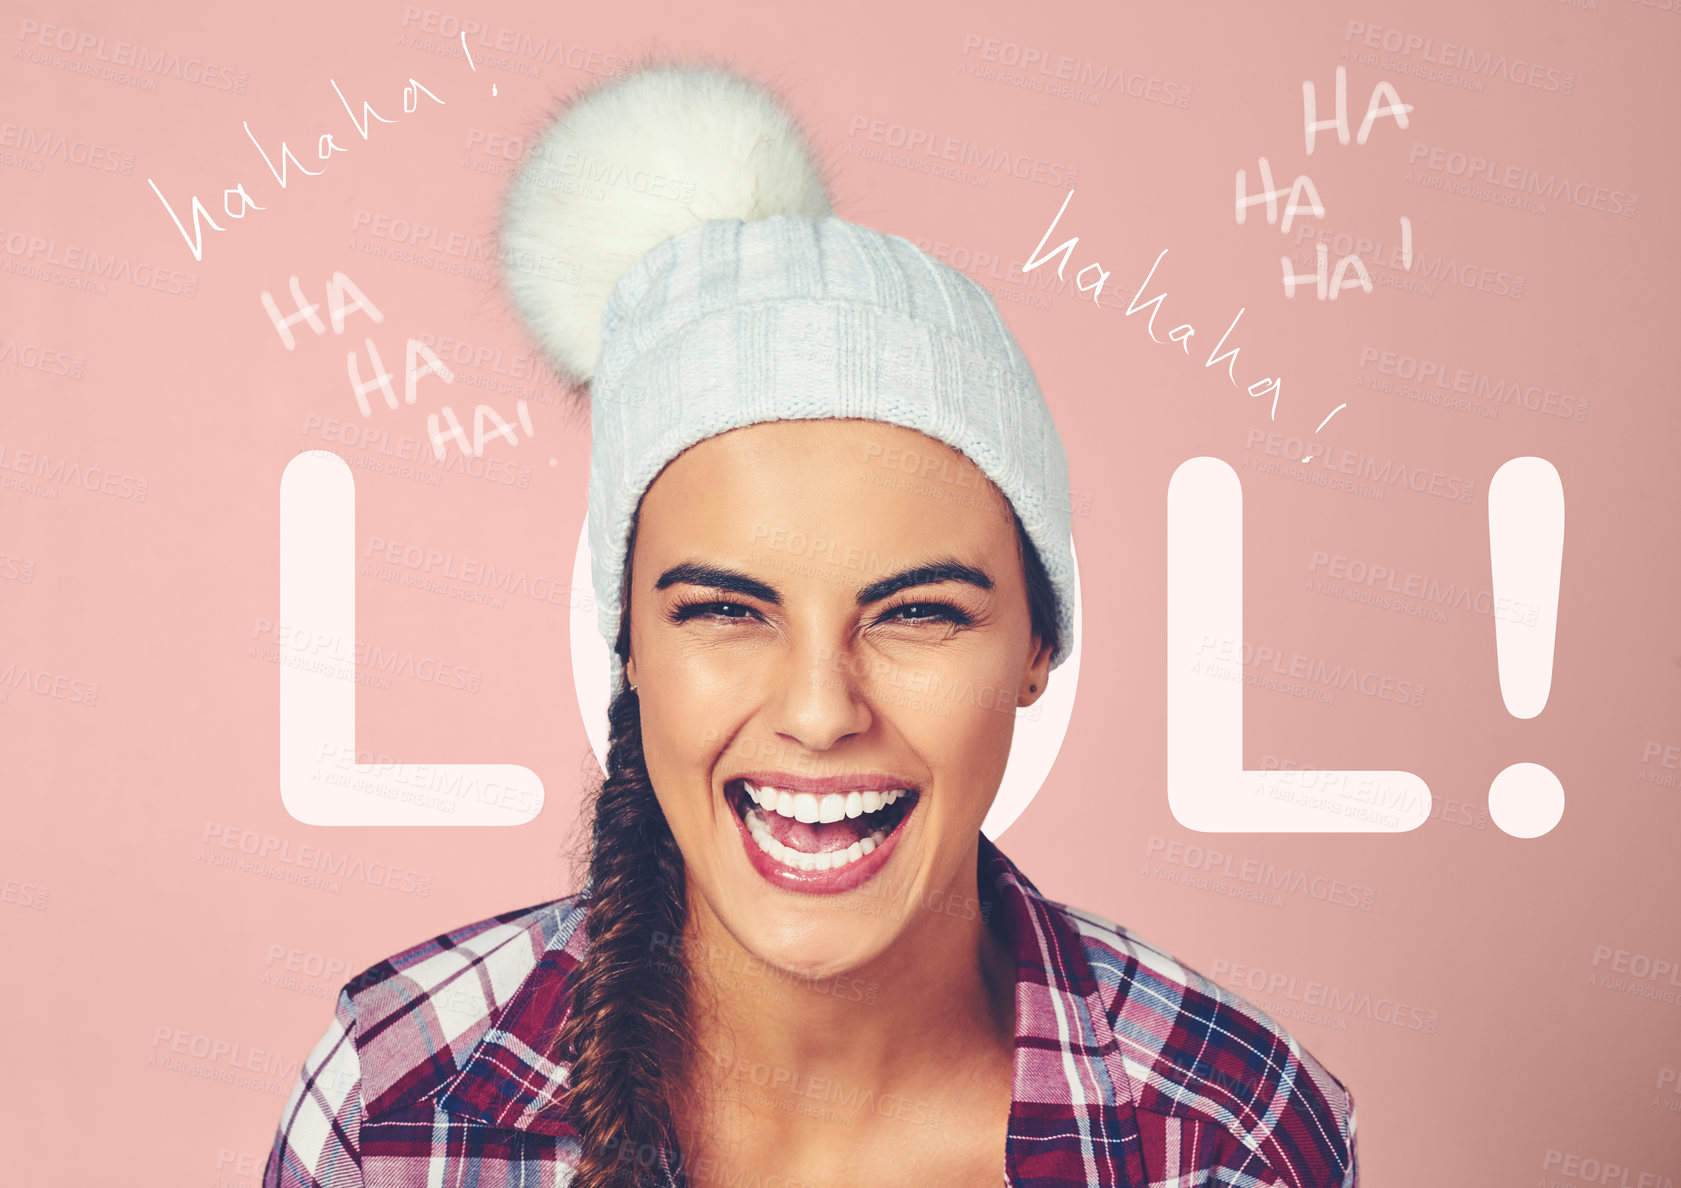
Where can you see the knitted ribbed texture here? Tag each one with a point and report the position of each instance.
(732, 323)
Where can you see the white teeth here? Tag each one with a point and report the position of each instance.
(813, 809)
(800, 860)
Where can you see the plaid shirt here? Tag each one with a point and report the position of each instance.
(1130, 1069)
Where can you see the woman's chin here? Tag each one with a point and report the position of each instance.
(822, 961)
(814, 937)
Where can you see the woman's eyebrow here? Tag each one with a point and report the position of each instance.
(718, 578)
(715, 577)
(947, 570)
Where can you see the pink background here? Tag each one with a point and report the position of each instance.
(1534, 1041)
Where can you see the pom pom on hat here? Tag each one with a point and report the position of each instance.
(684, 197)
(674, 146)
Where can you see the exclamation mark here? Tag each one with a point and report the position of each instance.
(1526, 550)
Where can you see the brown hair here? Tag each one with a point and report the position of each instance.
(627, 1031)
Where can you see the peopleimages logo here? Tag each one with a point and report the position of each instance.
(220, 842)
(32, 255)
(1212, 860)
(1449, 57)
(1583, 1169)
(1308, 992)
(1386, 471)
(52, 469)
(1465, 382)
(961, 151)
(49, 145)
(1037, 69)
(1523, 180)
(126, 54)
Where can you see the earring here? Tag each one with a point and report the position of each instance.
(1030, 688)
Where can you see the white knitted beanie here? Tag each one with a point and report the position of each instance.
(670, 244)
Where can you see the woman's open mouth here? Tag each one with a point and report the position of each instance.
(820, 843)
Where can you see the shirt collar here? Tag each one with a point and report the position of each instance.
(1072, 1111)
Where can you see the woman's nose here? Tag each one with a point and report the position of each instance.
(818, 697)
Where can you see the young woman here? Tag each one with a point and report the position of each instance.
(796, 959)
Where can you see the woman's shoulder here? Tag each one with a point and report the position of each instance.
(449, 990)
(1193, 1048)
(491, 939)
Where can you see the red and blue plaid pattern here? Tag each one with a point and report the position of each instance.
(1130, 1069)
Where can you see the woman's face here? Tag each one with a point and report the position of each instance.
(829, 633)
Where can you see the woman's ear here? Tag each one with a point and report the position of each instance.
(630, 671)
(1038, 674)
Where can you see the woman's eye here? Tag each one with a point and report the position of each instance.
(710, 610)
(907, 612)
(922, 612)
